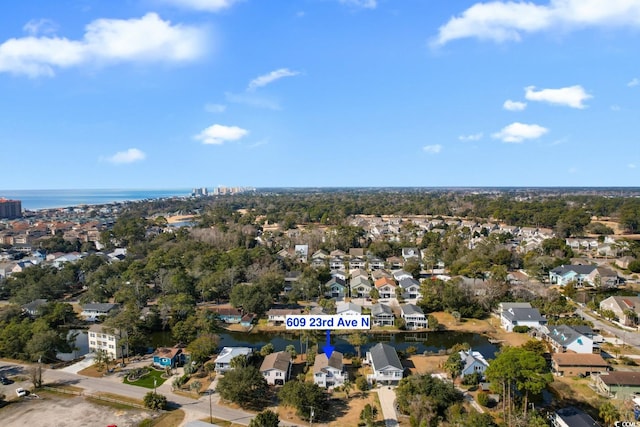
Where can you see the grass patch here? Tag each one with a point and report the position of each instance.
(123, 401)
(147, 380)
(168, 419)
(221, 423)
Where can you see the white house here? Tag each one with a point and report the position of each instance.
(276, 368)
(348, 309)
(382, 315)
(95, 311)
(223, 361)
(521, 316)
(413, 316)
(473, 361)
(360, 287)
(410, 288)
(385, 364)
(564, 338)
(329, 372)
(386, 287)
(107, 339)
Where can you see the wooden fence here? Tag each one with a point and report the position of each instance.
(93, 396)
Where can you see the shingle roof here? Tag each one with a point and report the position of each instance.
(579, 269)
(576, 418)
(383, 355)
(576, 359)
(523, 315)
(321, 362)
(408, 282)
(409, 309)
(621, 378)
(378, 309)
(280, 361)
(102, 307)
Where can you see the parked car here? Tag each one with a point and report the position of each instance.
(21, 392)
(5, 381)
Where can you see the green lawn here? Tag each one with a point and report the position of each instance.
(147, 380)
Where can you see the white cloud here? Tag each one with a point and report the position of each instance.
(501, 21)
(147, 39)
(203, 5)
(634, 82)
(129, 156)
(219, 134)
(514, 105)
(432, 149)
(615, 107)
(472, 137)
(271, 77)
(572, 96)
(215, 108)
(518, 132)
(365, 4)
(631, 165)
(40, 26)
(252, 100)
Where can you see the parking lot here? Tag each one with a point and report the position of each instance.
(51, 410)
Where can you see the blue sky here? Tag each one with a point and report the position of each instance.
(296, 93)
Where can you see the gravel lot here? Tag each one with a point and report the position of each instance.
(53, 411)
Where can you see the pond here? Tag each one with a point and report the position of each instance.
(81, 343)
(422, 341)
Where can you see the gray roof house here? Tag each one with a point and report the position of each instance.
(276, 368)
(565, 338)
(410, 288)
(413, 316)
(572, 417)
(382, 315)
(348, 308)
(33, 308)
(360, 287)
(94, 311)
(223, 361)
(385, 364)
(529, 317)
(329, 372)
(473, 361)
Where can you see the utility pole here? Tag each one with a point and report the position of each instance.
(311, 416)
(210, 412)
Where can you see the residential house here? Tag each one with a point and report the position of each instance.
(413, 316)
(167, 357)
(276, 368)
(340, 274)
(356, 252)
(376, 263)
(358, 272)
(386, 287)
(564, 338)
(572, 417)
(228, 314)
(380, 273)
(473, 362)
(33, 308)
(111, 341)
(626, 309)
(302, 253)
(411, 253)
(329, 372)
(336, 287)
(382, 315)
(277, 316)
(623, 262)
(401, 274)
(348, 309)
(410, 288)
(395, 262)
(223, 361)
(385, 363)
(521, 316)
(360, 287)
(591, 275)
(573, 364)
(618, 384)
(96, 311)
(336, 263)
(356, 263)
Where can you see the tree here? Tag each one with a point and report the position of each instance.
(291, 349)
(202, 347)
(357, 340)
(245, 387)
(267, 349)
(155, 401)
(363, 385)
(266, 418)
(609, 413)
(195, 387)
(347, 386)
(454, 365)
(304, 396)
(35, 375)
(369, 414)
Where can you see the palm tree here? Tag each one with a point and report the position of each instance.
(357, 340)
(347, 387)
(609, 413)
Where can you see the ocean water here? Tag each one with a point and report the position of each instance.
(44, 199)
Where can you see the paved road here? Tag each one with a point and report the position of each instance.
(387, 396)
(629, 337)
(115, 385)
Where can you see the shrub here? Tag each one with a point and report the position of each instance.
(155, 401)
(520, 329)
(483, 399)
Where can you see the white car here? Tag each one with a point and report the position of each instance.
(21, 392)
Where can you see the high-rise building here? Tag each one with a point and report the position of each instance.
(10, 209)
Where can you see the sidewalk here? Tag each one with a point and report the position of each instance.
(79, 366)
